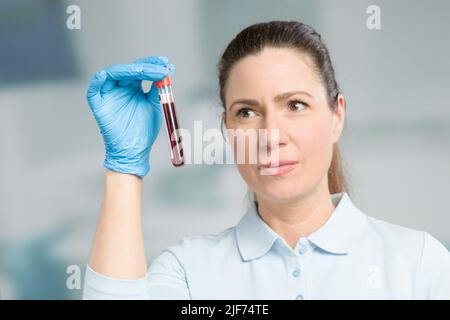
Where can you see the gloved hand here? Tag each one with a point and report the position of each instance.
(129, 119)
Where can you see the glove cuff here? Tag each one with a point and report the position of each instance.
(140, 170)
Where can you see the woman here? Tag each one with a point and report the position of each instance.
(301, 237)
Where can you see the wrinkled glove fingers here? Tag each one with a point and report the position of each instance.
(135, 71)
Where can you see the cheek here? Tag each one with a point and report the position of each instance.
(313, 141)
(244, 145)
(247, 173)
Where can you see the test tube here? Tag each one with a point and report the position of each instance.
(168, 105)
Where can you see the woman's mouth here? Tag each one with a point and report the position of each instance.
(277, 169)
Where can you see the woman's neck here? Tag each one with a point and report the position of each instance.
(299, 218)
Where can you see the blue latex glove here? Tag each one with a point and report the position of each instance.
(129, 119)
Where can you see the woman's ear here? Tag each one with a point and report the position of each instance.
(223, 125)
(224, 120)
(338, 118)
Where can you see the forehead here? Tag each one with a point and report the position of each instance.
(272, 71)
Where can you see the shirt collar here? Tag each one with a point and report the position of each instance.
(342, 229)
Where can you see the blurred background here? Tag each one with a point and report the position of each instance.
(396, 144)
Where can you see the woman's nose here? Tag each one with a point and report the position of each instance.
(273, 134)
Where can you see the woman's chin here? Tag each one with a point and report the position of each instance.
(281, 193)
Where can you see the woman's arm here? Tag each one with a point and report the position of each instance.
(118, 249)
(129, 120)
(117, 268)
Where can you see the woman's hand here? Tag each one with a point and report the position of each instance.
(129, 119)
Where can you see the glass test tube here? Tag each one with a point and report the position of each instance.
(168, 105)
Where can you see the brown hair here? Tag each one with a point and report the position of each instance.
(295, 35)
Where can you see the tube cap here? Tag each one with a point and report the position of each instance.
(167, 81)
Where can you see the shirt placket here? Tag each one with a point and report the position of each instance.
(297, 269)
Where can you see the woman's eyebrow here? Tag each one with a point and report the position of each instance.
(249, 102)
(286, 95)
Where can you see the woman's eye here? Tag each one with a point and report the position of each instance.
(297, 105)
(245, 113)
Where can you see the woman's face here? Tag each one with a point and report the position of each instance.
(278, 89)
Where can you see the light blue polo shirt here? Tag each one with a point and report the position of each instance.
(351, 256)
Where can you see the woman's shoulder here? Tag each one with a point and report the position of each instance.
(394, 233)
(205, 244)
(419, 251)
(407, 241)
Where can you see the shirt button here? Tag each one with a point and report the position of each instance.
(299, 297)
(296, 272)
(302, 249)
